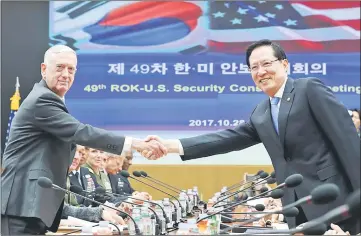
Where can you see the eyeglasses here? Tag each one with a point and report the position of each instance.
(264, 64)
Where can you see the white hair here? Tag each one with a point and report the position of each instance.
(54, 50)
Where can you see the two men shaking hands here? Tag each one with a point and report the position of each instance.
(153, 147)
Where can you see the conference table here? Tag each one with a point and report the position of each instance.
(66, 225)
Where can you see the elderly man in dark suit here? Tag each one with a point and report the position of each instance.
(301, 124)
(42, 142)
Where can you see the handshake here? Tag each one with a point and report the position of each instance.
(153, 147)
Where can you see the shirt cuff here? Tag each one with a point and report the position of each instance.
(127, 147)
(180, 147)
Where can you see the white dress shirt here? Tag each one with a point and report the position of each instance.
(279, 93)
(77, 171)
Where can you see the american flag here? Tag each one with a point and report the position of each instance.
(14, 107)
(11, 117)
(299, 26)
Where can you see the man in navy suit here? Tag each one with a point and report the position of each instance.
(304, 128)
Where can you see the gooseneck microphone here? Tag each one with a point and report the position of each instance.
(167, 186)
(137, 174)
(322, 194)
(269, 181)
(343, 212)
(291, 212)
(290, 182)
(47, 183)
(151, 202)
(259, 178)
(236, 185)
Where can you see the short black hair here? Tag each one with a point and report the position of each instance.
(277, 49)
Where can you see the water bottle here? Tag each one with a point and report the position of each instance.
(196, 195)
(138, 220)
(224, 189)
(178, 211)
(162, 222)
(191, 199)
(168, 211)
(155, 229)
(183, 202)
(188, 208)
(217, 195)
(104, 228)
(214, 222)
(146, 221)
(86, 230)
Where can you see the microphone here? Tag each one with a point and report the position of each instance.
(47, 183)
(257, 176)
(343, 212)
(322, 194)
(275, 194)
(167, 186)
(97, 194)
(125, 174)
(262, 175)
(269, 181)
(291, 212)
(258, 207)
(290, 182)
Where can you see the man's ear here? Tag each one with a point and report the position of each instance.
(285, 64)
(43, 70)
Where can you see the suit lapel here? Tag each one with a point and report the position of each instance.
(285, 107)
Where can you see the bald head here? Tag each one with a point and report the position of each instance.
(58, 68)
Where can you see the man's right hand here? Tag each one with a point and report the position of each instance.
(172, 146)
(152, 149)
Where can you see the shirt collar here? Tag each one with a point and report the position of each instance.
(279, 93)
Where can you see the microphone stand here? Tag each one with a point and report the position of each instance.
(169, 188)
(239, 191)
(175, 207)
(137, 231)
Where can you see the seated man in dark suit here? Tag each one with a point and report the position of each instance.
(80, 176)
(84, 152)
(127, 162)
(120, 184)
(112, 166)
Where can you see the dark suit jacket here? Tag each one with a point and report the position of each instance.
(120, 184)
(85, 176)
(316, 139)
(42, 143)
